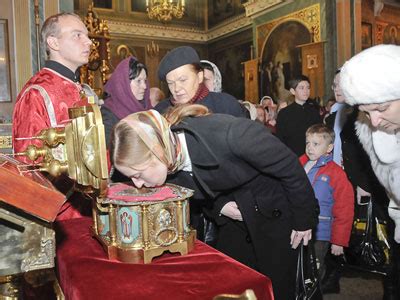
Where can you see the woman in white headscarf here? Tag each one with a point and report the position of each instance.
(371, 79)
(212, 76)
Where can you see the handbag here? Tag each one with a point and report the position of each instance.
(307, 279)
(368, 248)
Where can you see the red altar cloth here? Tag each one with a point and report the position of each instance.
(85, 272)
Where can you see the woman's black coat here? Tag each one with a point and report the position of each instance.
(235, 159)
(220, 103)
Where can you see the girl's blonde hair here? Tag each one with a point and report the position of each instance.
(127, 148)
(175, 115)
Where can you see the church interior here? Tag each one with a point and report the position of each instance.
(242, 37)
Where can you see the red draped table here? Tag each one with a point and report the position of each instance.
(85, 272)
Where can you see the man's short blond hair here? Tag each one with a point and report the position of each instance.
(50, 28)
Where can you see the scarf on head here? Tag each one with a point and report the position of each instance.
(121, 100)
(154, 131)
(201, 93)
(217, 76)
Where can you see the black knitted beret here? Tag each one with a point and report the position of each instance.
(176, 58)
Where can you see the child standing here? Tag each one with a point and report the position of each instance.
(293, 120)
(332, 189)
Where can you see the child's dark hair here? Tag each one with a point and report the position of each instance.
(294, 82)
(327, 133)
(135, 68)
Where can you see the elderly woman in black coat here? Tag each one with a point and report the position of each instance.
(261, 196)
(181, 70)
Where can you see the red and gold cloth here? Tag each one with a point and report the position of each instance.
(122, 192)
(31, 112)
(42, 103)
(84, 272)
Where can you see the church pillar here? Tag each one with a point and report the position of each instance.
(357, 26)
(343, 26)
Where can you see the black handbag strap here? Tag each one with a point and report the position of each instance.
(300, 280)
(312, 272)
(299, 273)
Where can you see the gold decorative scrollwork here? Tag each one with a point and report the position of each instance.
(164, 238)
(152, 49)
(309, 16)
(99, 58)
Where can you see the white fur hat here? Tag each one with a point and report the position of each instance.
(372, 76)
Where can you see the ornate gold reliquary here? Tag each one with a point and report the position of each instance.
(133, 225)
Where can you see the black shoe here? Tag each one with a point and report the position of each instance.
(330, 280)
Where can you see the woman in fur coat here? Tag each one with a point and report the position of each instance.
(378, 95)
(378, 127)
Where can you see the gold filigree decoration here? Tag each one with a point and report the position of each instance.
(152, 49)
(309, 17)
(99, 58)
(165, 10)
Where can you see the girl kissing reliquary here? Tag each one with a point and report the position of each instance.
(133, 225)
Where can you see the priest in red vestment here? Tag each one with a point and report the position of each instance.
(44, 100)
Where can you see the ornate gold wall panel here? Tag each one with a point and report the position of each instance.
(309, 16)
(251, 81)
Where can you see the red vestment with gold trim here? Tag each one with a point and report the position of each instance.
(31, 113)
(42, 103)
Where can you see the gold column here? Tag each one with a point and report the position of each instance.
(113, 224)
(343, 26)
(357, 25)
(179, 216)
(152, 62)
(145, 227)
(251, 81)
(23, 44)
(50, 8)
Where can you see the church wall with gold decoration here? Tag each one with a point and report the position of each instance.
(384, 28)
(225, 32)
(133, 33)
(279, 35)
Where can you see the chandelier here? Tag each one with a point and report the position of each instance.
(165, 10)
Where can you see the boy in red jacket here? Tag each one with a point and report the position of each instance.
(332, 189)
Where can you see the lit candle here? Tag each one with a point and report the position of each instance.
(147, 3)
(183, 3)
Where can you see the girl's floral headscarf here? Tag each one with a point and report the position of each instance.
(154, 131)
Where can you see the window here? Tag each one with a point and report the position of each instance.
(103, 4)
